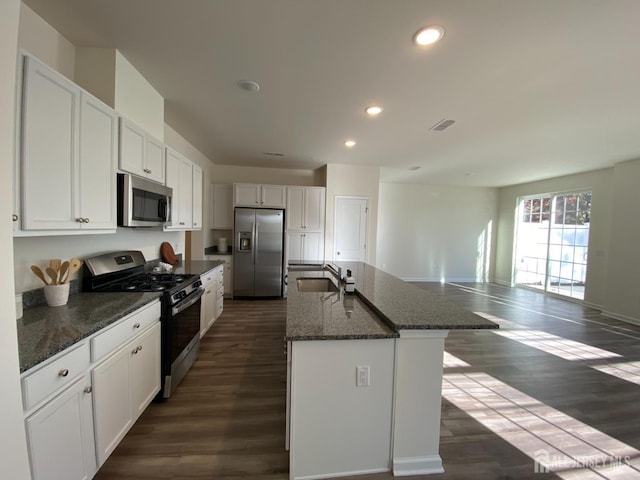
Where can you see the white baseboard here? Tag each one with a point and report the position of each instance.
(403, 467)
(623, 318)
(341, 474)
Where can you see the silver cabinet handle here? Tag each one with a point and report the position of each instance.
(14, 217)
(63, 373)
(136, 350)
(86, 220)
(88, 389)
(337, 253)
(80, 220)
(139, 348)
(136, 325)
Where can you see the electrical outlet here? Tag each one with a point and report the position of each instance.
(362, 376)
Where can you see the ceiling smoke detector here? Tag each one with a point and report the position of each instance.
(442, 125)
(248, 85)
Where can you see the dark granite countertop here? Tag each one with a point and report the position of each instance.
(44, 331)
(214, 251)
(197, 267)
(329, 315)
(408, 307)
(382, 306)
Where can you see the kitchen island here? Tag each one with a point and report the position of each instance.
(365, 373)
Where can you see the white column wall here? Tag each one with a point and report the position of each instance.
(13, 446)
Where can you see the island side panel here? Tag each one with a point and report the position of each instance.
(417, 403)
(338, 428)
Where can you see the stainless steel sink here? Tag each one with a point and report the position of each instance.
(316, 285)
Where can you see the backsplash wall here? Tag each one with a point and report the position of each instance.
(29, 251)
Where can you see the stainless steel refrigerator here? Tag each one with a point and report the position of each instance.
(258, 252)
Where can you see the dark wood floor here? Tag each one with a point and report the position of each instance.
(505, 396)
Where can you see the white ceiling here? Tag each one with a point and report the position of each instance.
(538, 88)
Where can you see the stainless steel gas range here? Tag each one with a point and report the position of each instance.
(126, 271)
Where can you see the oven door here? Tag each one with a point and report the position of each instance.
(182, 339)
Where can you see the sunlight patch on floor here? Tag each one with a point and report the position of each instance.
(555, 441)
(561, 347)
(451, 361)
(629, 371)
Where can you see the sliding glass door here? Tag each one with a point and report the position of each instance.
(552, 238)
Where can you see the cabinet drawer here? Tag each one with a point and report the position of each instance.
(57, 374)
(208, 277)
(219, 305)
(121, 332)
(220, 293)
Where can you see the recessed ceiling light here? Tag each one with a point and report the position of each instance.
(248, 85)
(374, 110)
(428, 35)
(350, 143)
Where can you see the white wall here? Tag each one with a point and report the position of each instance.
(40, 39)
(13, 447)
(427, 233)
(95, 71)
(273, 176)
(601, 184)
(136, 99)
(350, 180)
(623, 268)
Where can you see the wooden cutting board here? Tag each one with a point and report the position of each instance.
(167, 254)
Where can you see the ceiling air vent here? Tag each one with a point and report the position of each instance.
(415, 167)
(442, 125)
(273, 154)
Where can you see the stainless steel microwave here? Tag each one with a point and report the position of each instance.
(142, 203)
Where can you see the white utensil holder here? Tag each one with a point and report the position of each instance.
(56, 295)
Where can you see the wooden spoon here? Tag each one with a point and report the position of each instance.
(35, 269)
(63, 270)
(55, 264)
(53, 274)
(74, 265)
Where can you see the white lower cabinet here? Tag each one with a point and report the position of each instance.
(81, 402)
(307, 246)
(124, 384)
(212, 300)
(60, 435)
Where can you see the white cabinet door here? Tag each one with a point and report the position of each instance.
(312, 246)
(246, 194)
(180, 176)
(173, 163)
(314, 207)
(222, 207)
(132, 148)
(295, 249)
(154, 159)
(49, 155)
(112, 402)
(60, 436)
(185, 200)
(140, 153)
(197, 198)
(295, 208)
(273, 196)
(227, 280)
(98, 164)
(145, 369)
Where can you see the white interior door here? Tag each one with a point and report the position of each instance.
(350, 229)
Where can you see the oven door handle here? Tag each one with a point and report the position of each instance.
(187, 302)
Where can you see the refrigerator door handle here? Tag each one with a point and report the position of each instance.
(256, 228)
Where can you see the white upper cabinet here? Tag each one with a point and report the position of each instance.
(98, 164)
(222, 206)
(256, 195)
(185, 179)
(68, 154)
(140, 153)
(197, 197)
(305, 208)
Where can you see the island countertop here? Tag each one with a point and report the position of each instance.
(382, 306)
